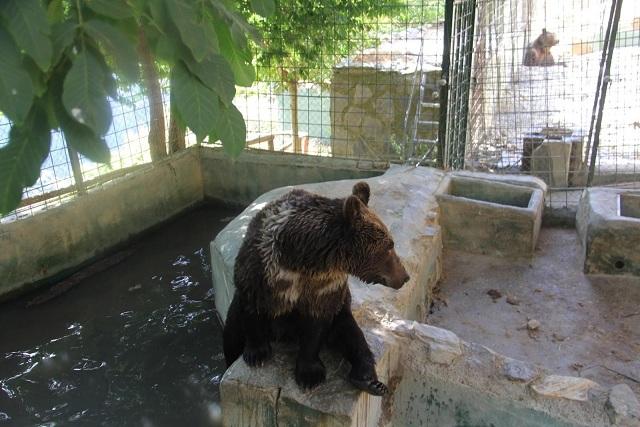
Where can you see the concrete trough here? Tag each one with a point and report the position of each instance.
(490, 217)
(629, 205)
(608, 222)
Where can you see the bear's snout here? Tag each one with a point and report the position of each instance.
(401, 280)
(406, 278)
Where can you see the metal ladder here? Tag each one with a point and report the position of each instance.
(413, 125)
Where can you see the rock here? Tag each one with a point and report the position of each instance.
(512, 300)
(444, 345)
(494, 294)
(572, 388)
(533, 325)
(517, 370)
(623, 407)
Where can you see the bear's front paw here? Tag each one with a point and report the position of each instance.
(256, 356)
(373, 387)
(310, 373)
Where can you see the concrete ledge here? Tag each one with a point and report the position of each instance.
(609, 238)
(242, 180)
(490, 217)
(403, 198)
(479, 387)
(437, 379)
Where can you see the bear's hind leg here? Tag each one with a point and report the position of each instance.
(310, 370)
(347, 337)
(232, 334)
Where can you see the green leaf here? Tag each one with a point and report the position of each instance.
(158, 13)
(196, 103)
(117, 44)
(83, 94)
(238, 59)
(199, 37)
(27, 22)
(216, 74)
(55, 11)
(235, 20)
(20, 160)
(16, 87)
(232, 130)
(116, 9)
(62, 36)
(82, 139)
(264, 8)
(38, 78)
(109, 80)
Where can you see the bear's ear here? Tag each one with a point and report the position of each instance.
(361, 191)
(352, 208)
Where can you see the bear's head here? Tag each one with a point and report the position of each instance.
(548, 39)
(372, 257)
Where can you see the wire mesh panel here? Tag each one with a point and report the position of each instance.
(536, 67)
(341, 86)
(462, 42)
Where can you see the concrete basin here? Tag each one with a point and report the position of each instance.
(608, 222)
(629, 204)
(490, 217)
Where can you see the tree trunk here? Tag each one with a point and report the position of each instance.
(157, 145)
(176, 134)
(293, 92)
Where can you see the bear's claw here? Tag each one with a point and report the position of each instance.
(373, 387)
(310, 374)
(256, 356)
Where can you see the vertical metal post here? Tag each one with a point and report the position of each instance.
(444, 89)
(468, 58)
(77, 170)
(602, 86)
(464, 13)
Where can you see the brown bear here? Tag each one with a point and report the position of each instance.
(291, 281)
(538, 53)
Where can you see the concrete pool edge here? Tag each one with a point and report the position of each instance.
(413, 351)
(50, 245)
(404, 348)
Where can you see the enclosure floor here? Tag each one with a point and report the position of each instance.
(589, 326)
(137, 344)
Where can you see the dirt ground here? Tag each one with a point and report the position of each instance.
(589, 325)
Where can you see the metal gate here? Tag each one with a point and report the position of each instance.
(458, 54)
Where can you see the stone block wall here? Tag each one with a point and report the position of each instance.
(368, 108)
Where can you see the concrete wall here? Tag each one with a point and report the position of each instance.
(242, 180)
(48, 243)
(48, 246)
(368, 108)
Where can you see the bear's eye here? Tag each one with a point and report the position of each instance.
(390, 246)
